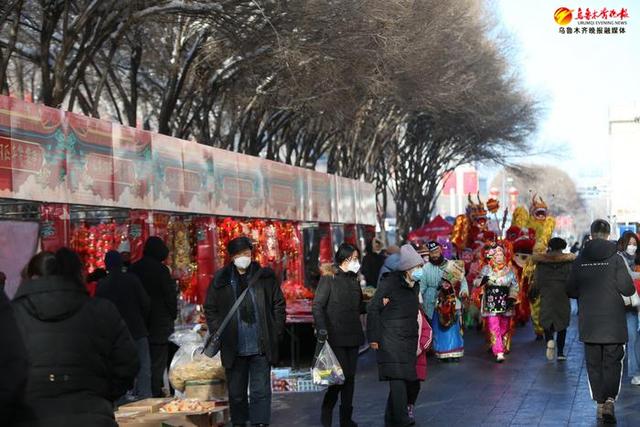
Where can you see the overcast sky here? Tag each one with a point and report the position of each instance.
(576, 77)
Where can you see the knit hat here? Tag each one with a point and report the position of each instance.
(113, 261)
(409, 258)
(238, 245)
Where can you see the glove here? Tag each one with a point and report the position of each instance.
(321, 335)
(510, 303)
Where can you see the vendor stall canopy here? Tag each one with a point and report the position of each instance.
(49, 155)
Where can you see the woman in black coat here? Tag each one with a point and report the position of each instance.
(82, 357)
(336, 312)
(551, 276)
(393, 332)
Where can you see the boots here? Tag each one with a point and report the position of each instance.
(345, 417)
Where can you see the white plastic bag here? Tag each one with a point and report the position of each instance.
(189, 363)
(326, 369)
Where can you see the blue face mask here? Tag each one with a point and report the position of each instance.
(417, 274)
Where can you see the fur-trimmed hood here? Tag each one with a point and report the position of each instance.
(553, 258)
(328, 269)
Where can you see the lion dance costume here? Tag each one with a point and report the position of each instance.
(538, 226)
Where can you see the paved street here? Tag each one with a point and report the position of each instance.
(526, 390)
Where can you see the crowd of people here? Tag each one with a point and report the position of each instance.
(419, 295)
(71, 357)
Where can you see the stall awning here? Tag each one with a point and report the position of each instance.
(438, 227)
(50, 155)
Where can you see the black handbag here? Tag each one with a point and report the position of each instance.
(212, 345)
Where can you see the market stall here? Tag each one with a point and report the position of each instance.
(94, 185)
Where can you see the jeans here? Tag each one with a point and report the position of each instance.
(633, 346)
(253, 372)
(159, 354)
(142, 388)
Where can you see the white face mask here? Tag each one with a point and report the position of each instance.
(353, 266)
(631, 249)
(242, 262)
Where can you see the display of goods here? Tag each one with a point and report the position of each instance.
(295, 290)
(189, 363)
(187, 405)
(285, 380)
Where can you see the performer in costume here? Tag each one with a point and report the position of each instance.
(539, 225)
(442, 287)
(500, 293)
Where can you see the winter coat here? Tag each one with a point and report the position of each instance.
(161, 288)
(371, 265)
(81, 354)
(271, 308)
(337, 306)
(551, 276)
(599, 278)
(125, 291)
(395, 327)
(390, 264)
(13, 362)
(424, 341)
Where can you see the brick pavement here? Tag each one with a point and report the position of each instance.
(527, 390)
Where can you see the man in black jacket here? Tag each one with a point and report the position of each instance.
(125, 291)
(249, 344)
(599, 278)
(162, 291)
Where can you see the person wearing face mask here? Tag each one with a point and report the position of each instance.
(441, 295)
(392, 328)
(249, 343)
(337, 307)
(628, 248)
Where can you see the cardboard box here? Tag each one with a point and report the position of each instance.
(147, 405)
(215, 417)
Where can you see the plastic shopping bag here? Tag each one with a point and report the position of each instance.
(189, 364)
(326, 369)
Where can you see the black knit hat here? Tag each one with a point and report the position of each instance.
(238, 245)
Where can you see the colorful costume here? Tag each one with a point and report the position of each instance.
(538, 224)
(441, 292)
(500, 293)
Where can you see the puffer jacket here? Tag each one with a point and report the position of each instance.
(161, 288)
(551, 275)
(337, 306)
(599, 279)
(394, 327)
(81, 354)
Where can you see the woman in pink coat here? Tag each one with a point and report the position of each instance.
(424, 341)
